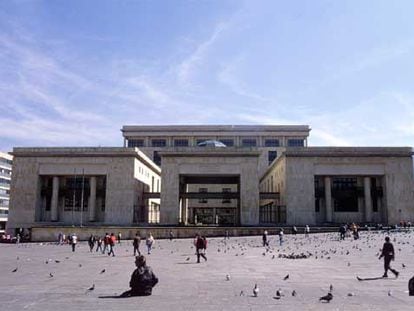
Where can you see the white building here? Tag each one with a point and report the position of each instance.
(6, 162)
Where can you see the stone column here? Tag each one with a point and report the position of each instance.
(368, 200)
(328, 199)
(55, 199)
(92, 198)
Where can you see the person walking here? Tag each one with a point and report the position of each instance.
(74, 241)
(112, 241)
(106, 242)
(388, 254)
(99, 244)
(171, 235)
(281, 234)
(91, 242)
(119, 237)
(264, 238)
(294, 230)
(307, 230)
(149, 242)
(142, 281)
(342, 232)
(201, 245)
(135, 243)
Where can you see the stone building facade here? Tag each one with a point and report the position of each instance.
(267, 175)
(51, 185)
(321, 185)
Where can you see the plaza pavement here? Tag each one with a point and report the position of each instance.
(186, 285)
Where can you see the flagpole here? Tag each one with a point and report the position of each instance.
(83, 184)
(74, 195)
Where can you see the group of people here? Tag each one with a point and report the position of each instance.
(349, 229)
(149, 242)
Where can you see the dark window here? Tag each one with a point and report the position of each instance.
(202, 200)
(249, 142)
(271, 155)
(226, 190)
(157, 158)
(345, 194)
(271, 142)
(180, 142)
(135, 143)
(158, 143)
(317, 205)
(374, 195)
(296, 143)
(227, 142)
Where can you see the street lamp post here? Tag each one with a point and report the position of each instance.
(83, 186)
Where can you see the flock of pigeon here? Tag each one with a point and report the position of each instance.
(325, 247)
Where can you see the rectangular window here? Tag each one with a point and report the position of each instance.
(226, 190)
(158, 143)
(157, 158)
(202, 200)
(271, 155)
(345, 194)
(180, 142)
(135, 143)
(227, 142)
(296, 142)
(249, 142)
(272, 142)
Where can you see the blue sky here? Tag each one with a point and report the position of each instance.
(73, 72)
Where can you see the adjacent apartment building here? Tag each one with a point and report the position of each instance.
(6, 162)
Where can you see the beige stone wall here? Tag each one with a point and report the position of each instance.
(117, 164)
(204, 163)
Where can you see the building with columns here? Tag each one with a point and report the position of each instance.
(263, 176)
(83, 187)
(322, 185)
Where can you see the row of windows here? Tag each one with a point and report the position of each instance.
(4, 202)
(4, 181)
(205, 190)
(4, 212)
(4, 191)
(5, 161)
(245, 142)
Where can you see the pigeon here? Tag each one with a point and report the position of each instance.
(403, 265)
(187, 259)
(15, 270)
(349, 264)
(227, 277)
(57, 261)
(80, 265)
(326, 298)
(51, 275)
(91, 288)
(294, 293)
(255, 290)
(351, 294)
(389, 293)
(331, 288)
(103, 271)
(241, 293)
(278, 294)
(286, 277)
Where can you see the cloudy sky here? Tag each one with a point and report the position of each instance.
(73, 72)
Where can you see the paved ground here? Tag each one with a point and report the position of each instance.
(185, 285)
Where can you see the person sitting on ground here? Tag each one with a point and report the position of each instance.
(142, 279)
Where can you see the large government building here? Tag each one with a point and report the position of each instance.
(241, 175)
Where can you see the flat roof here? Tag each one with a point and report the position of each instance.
(215, 128)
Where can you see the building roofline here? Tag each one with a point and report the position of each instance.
(215, 128)
(82, 152)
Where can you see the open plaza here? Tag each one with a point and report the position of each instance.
(52, 277)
